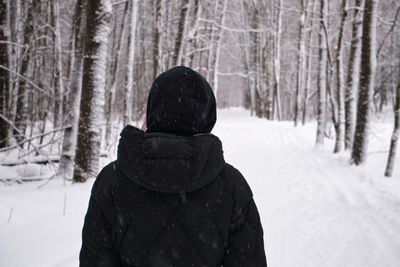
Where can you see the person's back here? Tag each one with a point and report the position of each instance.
(170, 199)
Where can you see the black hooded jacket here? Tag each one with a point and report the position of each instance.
(170, 200)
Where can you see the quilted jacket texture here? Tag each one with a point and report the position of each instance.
(170, 199)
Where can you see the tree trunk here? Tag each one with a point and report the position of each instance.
(129, 67)
(157, 54)
(395, 135)
(192, 34)
(115, 75)
(322, 70)
(165, 57)
(310, 55)
(367, 76)
(4, 74)
(58, 70)
(340, 123)
(253, 61)
(93, 87)
(210, 53)
(66, 166)
(218, 49)
(21, 114)
(277, 61)
(177, 59)
(15, 53)
(246, 57)
(353, 77)
(300, 63)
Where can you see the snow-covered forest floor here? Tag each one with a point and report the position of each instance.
(316, 209)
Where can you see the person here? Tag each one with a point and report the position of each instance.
(170, 199)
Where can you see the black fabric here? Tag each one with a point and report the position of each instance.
(181, 102)
(169, 163)
(171, 201)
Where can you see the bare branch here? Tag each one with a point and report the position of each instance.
(390, 31)
(28, 81)
(234, 29)
(32, 138)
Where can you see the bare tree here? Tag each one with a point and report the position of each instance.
(367, 76)
(309, 59)
(93, 85)
(395, 135)
(218, 48)
(129, 65)
(22, 90)
(353, 76)
(177, 59)
(66, 165)
(277, 61)
(58, 70)
(300, 61)
(112, 88)
(259, 54)
(4, 74)
(193, 31)
(322, 70)
(340, 123)
(157, 50)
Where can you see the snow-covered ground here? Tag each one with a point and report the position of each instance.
(316, 209)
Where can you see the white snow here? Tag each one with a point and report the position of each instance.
(316, 209)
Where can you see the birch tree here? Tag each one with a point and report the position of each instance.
(259, 54)
(310, 55)
(218, 48)
(395, 135)
(353, 77)
(367, 76)
(193, 30)
(177, 59)
(300, 61)
(244, 11)
(66, 165)
(277, 61)
(129, 65)
(93, 82)
(4, 74)
(322, 70)
(22, 89)
(340, 124)
(252, 61)
(58, 64)
(112, 88)
(157, 50)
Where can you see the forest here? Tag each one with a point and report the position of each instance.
(73, 72)
(308, 111)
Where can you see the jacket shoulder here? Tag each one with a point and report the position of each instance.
(105, 180)
(236, 183)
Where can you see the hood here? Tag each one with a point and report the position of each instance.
(169, 163)
(180, 102)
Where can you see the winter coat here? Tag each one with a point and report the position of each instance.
(170, 200)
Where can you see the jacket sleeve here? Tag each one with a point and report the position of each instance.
(98, 246)
(245, 241)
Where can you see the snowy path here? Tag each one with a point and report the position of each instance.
(316, 210)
